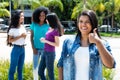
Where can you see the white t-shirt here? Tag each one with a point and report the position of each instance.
(82, 63)
(17, 32)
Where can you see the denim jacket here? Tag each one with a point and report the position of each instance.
(67, 59)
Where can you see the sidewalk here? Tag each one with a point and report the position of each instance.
(6, 50)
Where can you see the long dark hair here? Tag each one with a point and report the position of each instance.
(14, 23)
(36, 13)
(54, 22)
(93, 20)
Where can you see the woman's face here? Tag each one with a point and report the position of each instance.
(21, 18)
(42, 16)
(84, 25)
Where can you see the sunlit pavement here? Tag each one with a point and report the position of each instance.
(6, 50)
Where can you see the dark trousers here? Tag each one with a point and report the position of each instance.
(47, 61)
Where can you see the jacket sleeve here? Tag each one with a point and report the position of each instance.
(109, 49)
(63, 53)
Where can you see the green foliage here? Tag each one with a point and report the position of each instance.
(68, 9)
(27, 71)
(4, 69)
(35, 4)
(4, 4)
(110, 34)
(69, 33)
(53, 4)
(108, 73)
(3, 11)
(77, 10)
(4, 66)
(56, 71)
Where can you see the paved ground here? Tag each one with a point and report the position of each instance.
(5, 50)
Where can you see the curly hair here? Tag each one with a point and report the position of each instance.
(36, 13)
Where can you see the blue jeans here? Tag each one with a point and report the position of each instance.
(47, 61)
(36, 58)
(16, 61)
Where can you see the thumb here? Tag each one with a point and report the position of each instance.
(95, 31)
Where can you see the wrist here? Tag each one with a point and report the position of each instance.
(98, 42)
(45, 41)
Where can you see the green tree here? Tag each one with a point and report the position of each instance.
(20, 3)
(112, 8)
(37, 3)
(3, 11)
(68, 7)
(83, 5)
(52, 4)
(76, 10)
(117, 19)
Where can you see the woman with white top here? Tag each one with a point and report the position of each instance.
(16, 38)
(84, 54)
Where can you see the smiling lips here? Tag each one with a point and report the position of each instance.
(84, 28)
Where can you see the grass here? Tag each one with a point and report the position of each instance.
(27, 71)
(115, 35)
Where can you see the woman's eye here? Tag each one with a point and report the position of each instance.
(86, 22)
